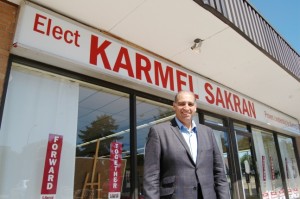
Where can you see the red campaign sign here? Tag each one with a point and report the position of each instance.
(51, 167)
(115, 167)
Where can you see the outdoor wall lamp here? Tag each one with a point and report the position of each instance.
(197, 45)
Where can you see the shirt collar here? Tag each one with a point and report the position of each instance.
(180, 125)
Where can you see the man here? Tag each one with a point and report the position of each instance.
(182, 159)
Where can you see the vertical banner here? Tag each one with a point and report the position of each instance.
(265, 195)
(272, 168)
(115, 170)
(263, 162)
(287, 169)
(274, 193)
(51, 168)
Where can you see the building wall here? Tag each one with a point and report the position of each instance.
(8, 18)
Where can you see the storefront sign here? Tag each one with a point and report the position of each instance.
(115, 170)
(89, 50)
(51, 168)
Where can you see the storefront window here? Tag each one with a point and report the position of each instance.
(103, 144)
(291, 170)
(222, 141)
(240, 127)
(223, 144)
(247, 167)
(38, 106)
(267, 164)
(213, 120)
(148, 114)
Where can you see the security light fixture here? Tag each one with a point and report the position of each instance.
(197, 45)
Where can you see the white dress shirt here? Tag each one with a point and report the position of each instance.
(190, 137)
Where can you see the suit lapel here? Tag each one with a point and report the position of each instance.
(176, 131)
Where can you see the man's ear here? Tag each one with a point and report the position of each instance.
(174, 104)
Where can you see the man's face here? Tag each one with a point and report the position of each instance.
(185, 107)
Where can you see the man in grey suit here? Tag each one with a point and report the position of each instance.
(182, 159)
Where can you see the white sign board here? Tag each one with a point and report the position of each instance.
(43, 31)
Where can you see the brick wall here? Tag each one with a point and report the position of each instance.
(8, 17)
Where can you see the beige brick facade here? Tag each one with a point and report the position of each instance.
(8, 17)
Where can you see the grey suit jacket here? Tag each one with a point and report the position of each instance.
(170, 172)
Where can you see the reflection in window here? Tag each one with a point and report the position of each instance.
(213, 120)
(148, 114)
(267, 163)
(223, 144)
(247, 166)
(103, 123)
(291, 170)
(37, 104)
(241, 127)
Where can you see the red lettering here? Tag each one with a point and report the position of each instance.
(180, 82)
(245, 108)
(252, 109)
(37, 23)
(77, 35)
(219, 98)
(49, 27)
(236, 101)
(228, 101)
(123, 53)
(57, 32)
(159, 75)
(145, 68)
(210, 98)
(69, 41)
(232, 101)
(96, 50)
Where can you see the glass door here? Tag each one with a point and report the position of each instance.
(247, 167)
(222, 138)
(270, 176)
(288, 159)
